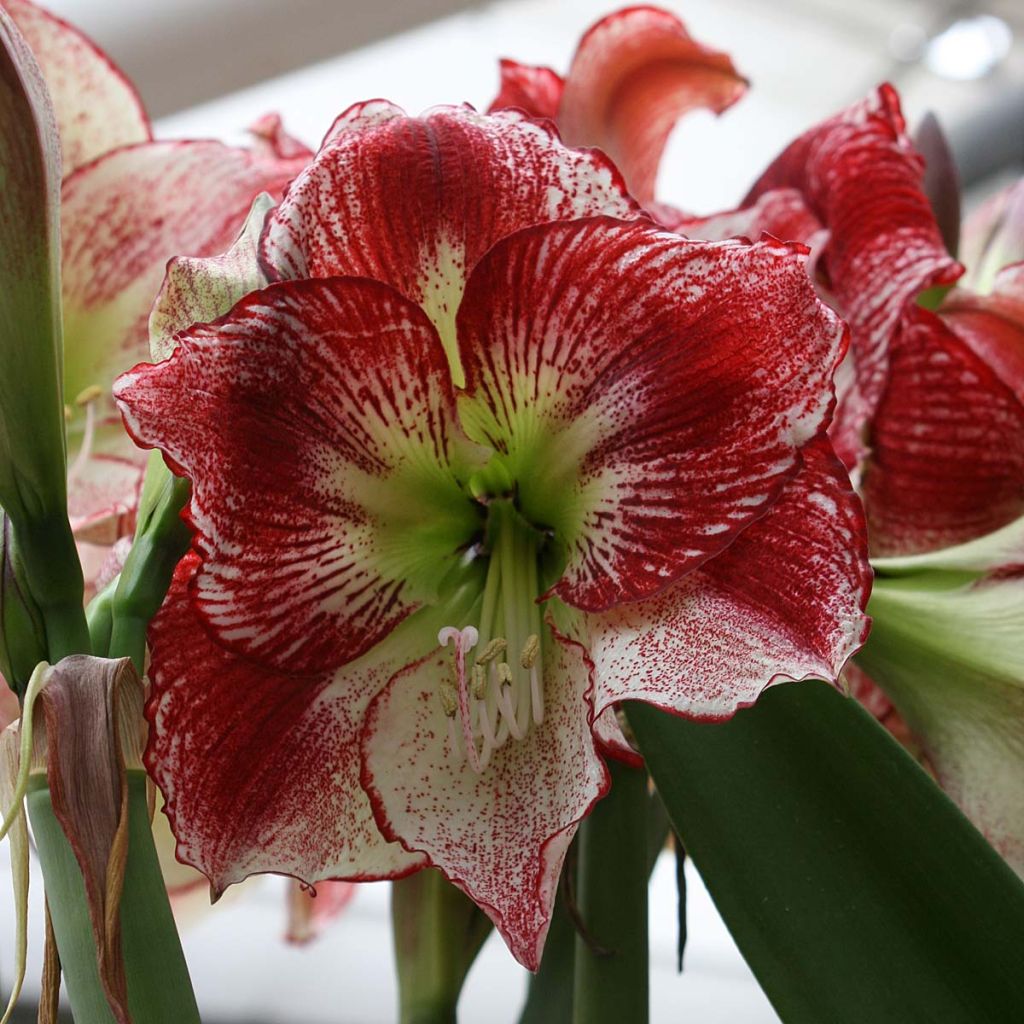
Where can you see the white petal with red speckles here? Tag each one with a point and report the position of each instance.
(784, 602)
(947, 440)
(97, 107)
(259, 767)
(649, 394)
(635, 73)
(315, 422)
(197, 290)
(501, 835)
(415, 202)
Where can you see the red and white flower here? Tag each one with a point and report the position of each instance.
(487, 454)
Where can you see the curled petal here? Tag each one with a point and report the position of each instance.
(97, 107)
(861, 177)
(415, 202)
(500, 835)
(947, 440)
(993, 325)
(534, 90)
(635, 73)
(650, 394)
(197, 290)
(784, 602)
(315, 421)
(259, 767)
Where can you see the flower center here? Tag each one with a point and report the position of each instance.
(496, 691)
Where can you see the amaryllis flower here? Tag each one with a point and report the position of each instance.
(635, 73)
(128, 204)
(488, 455)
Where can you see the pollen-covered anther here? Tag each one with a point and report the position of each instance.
(504, 673)
(531, 649)
(88, 395)
(449, 699)
(494, 649)
(479, 681)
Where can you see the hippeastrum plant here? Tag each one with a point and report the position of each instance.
(485, 455)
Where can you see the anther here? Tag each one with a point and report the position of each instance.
(504, 673)
(530, 651)
(494, 648)
(449, 700)
(479, 681)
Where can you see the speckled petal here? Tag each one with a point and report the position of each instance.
(97, 107)
(501, 836)
(650, 395)
(784, 602)
(260, 767)
(315, 422)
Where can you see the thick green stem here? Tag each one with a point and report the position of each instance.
(611, 975)
(54, 574)
(159, 988)
(437, 933)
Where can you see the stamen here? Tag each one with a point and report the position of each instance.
(494, 647)
(86, 399)
(530, 651)
(508, 707)
(464, 640)
(479, 681)
(449, 700)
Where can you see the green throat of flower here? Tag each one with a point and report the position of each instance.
(495, 691)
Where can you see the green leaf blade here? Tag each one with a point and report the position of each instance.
(854, 888)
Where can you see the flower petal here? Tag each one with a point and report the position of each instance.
(123, 217)
(947, 461)
(197, 290)
(415, 202)
(650, 394)
(260, 767)
(315, 421)
(97, 107)
(635, 73)
(993, 324)
(784, 602)
(949, 654)
(535, 91)
(781, 212)
(993, 237)
(500, 836)
(861, 177)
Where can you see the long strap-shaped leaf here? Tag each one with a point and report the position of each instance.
(854, 888)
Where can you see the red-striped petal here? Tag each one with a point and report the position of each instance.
(315, 422)
(650, 395)
(97, 107)
(862, 178)
(260, 767)
(415, 202)
(634, 75)
(501, 835)
(784, 602)
(782, 212)
(535, 91)
(947, 439)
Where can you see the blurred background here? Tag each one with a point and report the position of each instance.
(211, 67)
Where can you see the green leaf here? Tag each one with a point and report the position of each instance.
(853, 886)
